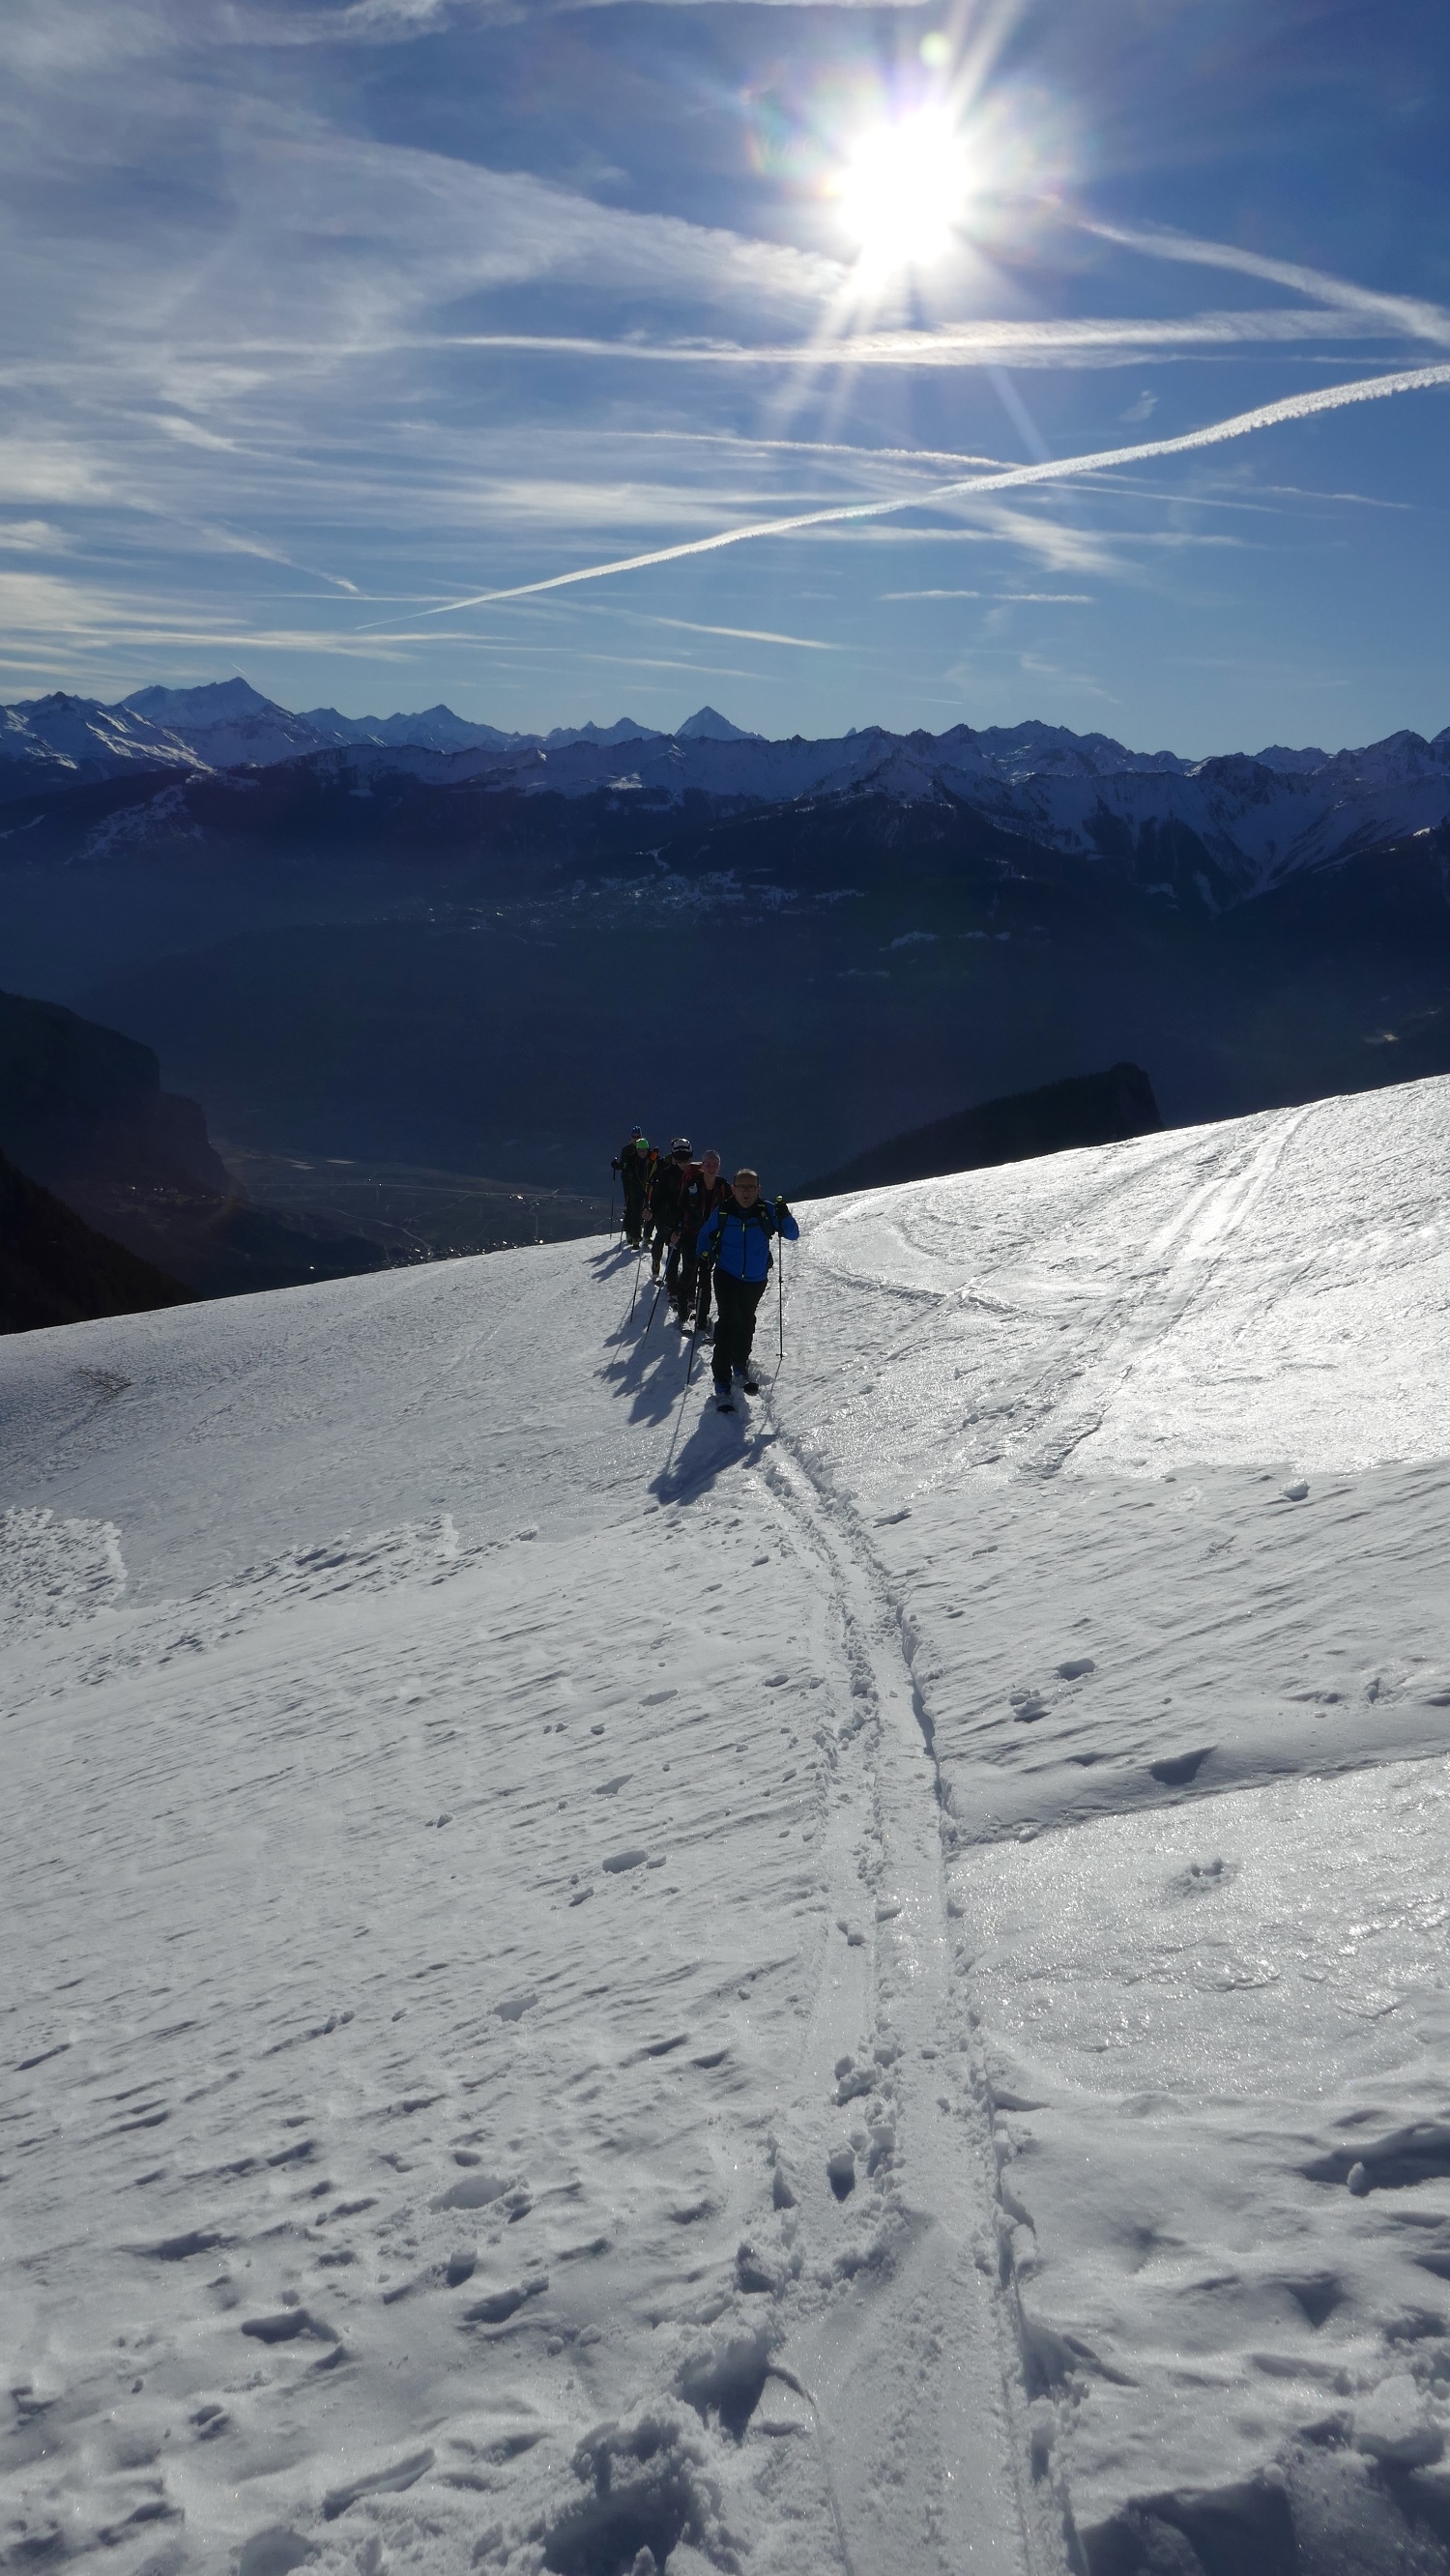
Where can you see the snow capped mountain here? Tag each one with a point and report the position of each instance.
(600, 1986)
(60, 738)
(708, 725)
(1022, 751)
(1083, 795)
(228, 725)
(1256, 818)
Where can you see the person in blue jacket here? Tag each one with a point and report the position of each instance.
(734, 1245)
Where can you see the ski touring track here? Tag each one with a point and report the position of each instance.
(902, 2347)
(915, 2380)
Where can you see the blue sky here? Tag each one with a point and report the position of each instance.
(326, 316)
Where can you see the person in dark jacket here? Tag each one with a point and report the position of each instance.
(702, 1191)
(735, 1241)
(634, 1163)
(664, 1199)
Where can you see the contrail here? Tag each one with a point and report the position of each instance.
(966, 344)
(1055, 470)
(1408, 313)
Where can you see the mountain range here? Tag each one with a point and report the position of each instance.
(490, 960)
(227, 724)
(1259, 815)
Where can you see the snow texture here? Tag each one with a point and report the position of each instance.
(858, 1986)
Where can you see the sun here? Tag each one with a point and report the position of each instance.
(903, 188)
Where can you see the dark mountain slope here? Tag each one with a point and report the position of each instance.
(1090, 1109)
(81, 1104)
(82, 1111)
(55, 1269)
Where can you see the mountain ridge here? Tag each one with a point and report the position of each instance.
(1258, 816)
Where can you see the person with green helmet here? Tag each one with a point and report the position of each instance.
(635, 1163)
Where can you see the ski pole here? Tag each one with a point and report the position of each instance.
(702, 1308)
(651, 1315)
(684, 1391)
(780, 1289)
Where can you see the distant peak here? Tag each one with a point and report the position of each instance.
(623, 729)
(215, 702)
(708, 725)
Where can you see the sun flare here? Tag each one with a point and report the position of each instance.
(903, 188)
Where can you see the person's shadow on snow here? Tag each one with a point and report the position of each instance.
(708, 1444)
(649, 1364)
(615, 1257)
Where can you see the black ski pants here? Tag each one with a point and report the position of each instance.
(633, 1209)
(685, 1285)
(736, 1301)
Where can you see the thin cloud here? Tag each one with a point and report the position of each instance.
(742, 440)
(1410, 314)
(377, 22)
(30, 537)
(189, 433)
(38, 469)
(1057, 470)
(1091, 340)
(750, 635)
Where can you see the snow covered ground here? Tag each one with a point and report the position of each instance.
(861, 1987)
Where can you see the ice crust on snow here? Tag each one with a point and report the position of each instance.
(596, 1987)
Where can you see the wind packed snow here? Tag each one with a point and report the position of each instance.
(862, 1986)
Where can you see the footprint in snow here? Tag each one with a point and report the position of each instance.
(474, 2192)
(497, 2309)
(841, 2171)
(1202, 1877)
(274, 2553)
(391, 2481)
(286, 2327)
(1178, 1769)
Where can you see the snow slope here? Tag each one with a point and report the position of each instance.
(57, 740)
(859, 1987)
(227, 724)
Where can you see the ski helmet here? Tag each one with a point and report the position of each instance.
(681, 1145)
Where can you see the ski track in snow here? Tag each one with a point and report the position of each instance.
(855, 1988)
